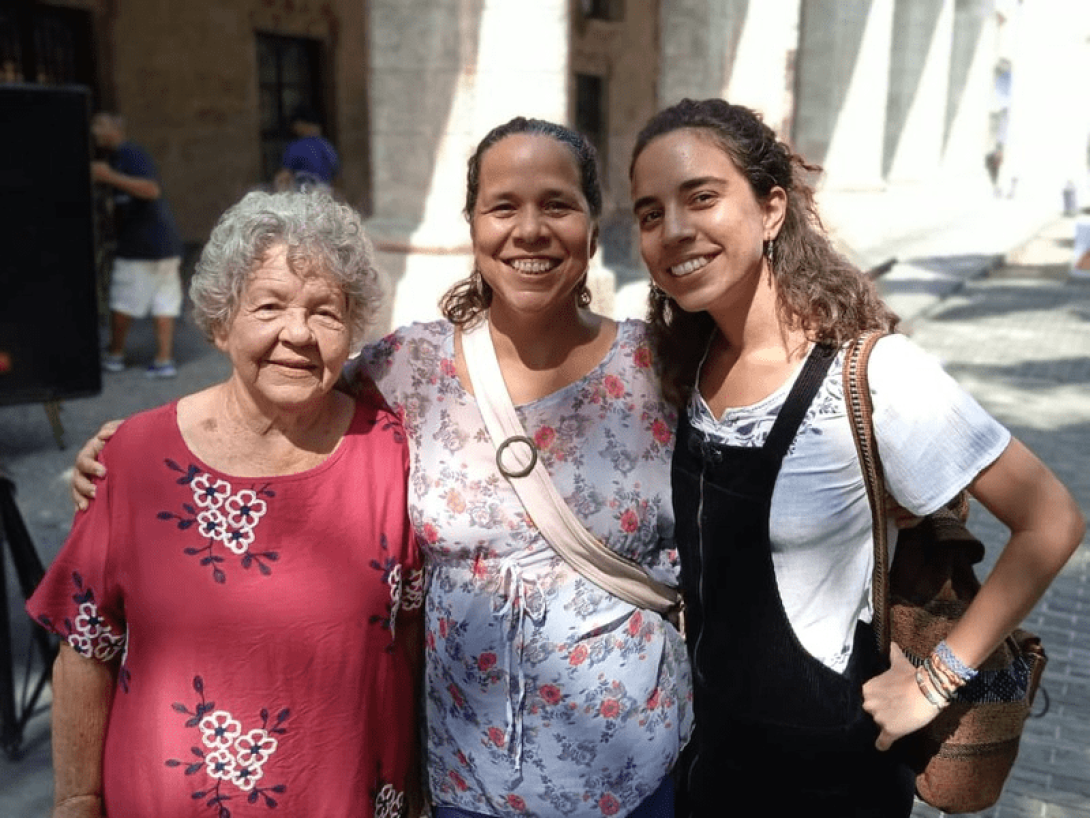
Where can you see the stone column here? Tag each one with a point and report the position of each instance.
(842, 88)
(761, 73)
(696, 39)
(972, 86)
(918, 86)
(443, 73)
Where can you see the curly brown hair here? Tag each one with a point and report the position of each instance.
(818, 289)
(467, 300)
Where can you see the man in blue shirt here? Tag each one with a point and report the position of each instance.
(146, 272)
(309, 161)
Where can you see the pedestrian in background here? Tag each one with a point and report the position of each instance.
(751, 312)
(146, 277)
(310, 160)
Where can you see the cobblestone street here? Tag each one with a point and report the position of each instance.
(1018, 339)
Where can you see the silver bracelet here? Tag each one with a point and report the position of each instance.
(929, 694)
(943, 686)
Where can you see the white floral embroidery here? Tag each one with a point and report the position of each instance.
(255, 747)
(80, 644)
(393, 579)
(245, 508)
(208, 494)
(238, 540)
(412, 596)
(389, 802)
(237, 754)
(88, 621)
(219, 730)
(220, 764)
(246, 775)
(212, 524)
(227, 518)
(93, 636)
(108, 646)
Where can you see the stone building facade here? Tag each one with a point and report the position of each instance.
(878, 91)
(207, 87)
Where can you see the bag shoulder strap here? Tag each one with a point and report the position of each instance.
(609, 570)
(861, 414)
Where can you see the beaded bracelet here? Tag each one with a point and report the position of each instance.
(953, 663)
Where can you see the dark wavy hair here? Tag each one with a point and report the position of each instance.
(818, 289)
(470, 297)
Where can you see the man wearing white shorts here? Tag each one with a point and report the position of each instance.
(146, 276)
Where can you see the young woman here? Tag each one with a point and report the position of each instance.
(750, 313)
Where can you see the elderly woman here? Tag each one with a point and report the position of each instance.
(239, 609)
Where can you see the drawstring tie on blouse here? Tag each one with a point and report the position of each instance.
(520, 597)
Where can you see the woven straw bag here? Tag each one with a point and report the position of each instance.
(962, 758)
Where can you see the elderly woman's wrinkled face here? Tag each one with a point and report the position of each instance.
(290, 336)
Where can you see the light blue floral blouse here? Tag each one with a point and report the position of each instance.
(545, 694)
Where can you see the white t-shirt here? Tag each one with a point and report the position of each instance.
(933, 438)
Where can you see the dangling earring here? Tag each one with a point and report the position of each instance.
(657, 292)
(770, 247)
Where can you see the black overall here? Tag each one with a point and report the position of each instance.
(777, 732)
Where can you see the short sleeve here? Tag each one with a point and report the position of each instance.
(933, 437)
(411, 367)
(78, 599)
(375, 364)
(132, 161)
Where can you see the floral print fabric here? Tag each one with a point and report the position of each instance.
(260, 626)
(545, 694)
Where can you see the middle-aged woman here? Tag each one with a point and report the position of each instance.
(239, 608)
(773, 523)
(545, 695)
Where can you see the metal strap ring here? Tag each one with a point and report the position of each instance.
(521, 472)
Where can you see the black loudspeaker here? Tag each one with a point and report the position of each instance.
(48, 295)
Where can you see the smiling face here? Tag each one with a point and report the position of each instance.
(290, 336)
(533, 234)
(702, 229)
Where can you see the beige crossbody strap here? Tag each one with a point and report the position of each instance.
(517, 460)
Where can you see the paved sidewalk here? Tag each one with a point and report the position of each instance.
(1019, 340)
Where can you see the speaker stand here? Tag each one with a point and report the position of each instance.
(53, 412)
(16, 707)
